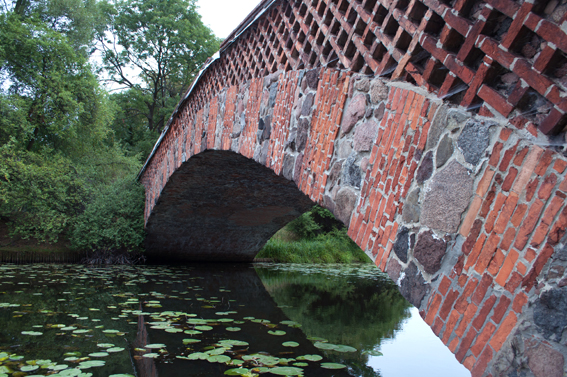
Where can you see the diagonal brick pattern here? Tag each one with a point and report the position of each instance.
(496, 57)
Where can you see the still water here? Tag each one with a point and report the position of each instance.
(212, 320)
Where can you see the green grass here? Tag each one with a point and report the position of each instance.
(332, 247)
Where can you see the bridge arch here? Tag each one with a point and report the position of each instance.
(455, 187)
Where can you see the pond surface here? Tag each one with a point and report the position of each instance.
(212, 320)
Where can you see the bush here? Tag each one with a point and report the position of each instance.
(113, 219)
(314, 237)
(39, 195)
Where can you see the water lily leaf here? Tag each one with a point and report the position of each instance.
(32, 333)
(222, 359)
(290, 344)
(198, 356)
(332, 366)
(276, 332)
(233, 329)
(343, 348)
(72, 373)
(29, 368)
(83, 331)
(287, 371)
(317, 339)
(155, 346)
(291, 323)
(151, 355)
(58, 367)
(310, 357)
(300, 364)
(325, 346)
(109, 331)
(68, 328)
(233, 342)
(115, 349)
(190, 341)
(192, 332)
(105, 345)
(203, 328)
(237, 372)
(91, 364)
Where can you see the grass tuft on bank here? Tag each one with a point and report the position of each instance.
(314, 237)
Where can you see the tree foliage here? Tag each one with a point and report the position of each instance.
(154, 49)
(51, 99)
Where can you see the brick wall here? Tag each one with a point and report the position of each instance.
(466, 213)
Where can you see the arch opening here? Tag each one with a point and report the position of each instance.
(220, 206)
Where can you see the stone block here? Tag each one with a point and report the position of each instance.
(413, 287)
(449, 195)
(411, 210)
(550, 312)
(425, 168)
(351, 172)
(401, 246)
(378, 91)
(544, 361)
(429, 251)
(353, 113)
(444, 151)
(344, 204)
(364, 136)
(474, 140)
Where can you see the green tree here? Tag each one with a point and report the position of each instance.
(50, 98)
(153, 48)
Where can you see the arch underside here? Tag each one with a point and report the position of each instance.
(220, 206)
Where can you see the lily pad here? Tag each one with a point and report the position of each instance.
(32, 333)
(237, 372)
(29, 368)
(203, 328)
(151, 355)
(233, 329)
(98, 354)
(290, 344)
(222, 359)
(325, 346)
(332, 366)
(287, 371)
(343, 348)
(190, 341)
(155, 346)
(310, 357)
(276, 332)
(114, 349)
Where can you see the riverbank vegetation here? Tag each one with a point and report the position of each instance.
(71, 146)
(314, 237)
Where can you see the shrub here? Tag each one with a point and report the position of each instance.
(113, 219)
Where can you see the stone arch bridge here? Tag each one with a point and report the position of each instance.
(434, 129)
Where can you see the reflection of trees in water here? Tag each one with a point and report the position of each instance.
(347, 310)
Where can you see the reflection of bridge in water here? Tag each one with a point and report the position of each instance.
(240, 290)
(355, 104)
